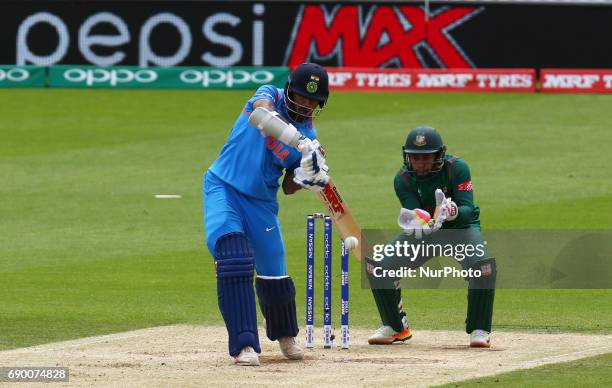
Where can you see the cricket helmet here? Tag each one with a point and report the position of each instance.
(307, 80)
(424, 140)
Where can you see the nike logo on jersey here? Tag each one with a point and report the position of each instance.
(269, 229)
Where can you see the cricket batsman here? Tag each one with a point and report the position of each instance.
(242, 229)
(430, 182)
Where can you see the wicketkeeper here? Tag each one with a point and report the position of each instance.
(243, 233)
(430, 179)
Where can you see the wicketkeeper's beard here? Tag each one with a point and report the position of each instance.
(423, 174)
(429, 172)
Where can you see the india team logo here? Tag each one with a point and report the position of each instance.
(312, 85)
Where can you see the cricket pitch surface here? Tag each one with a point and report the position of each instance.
(188, 355)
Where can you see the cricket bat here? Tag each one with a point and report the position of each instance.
(274, 125)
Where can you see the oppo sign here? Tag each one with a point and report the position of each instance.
(14, 75)
(158, 77)
(226, 78)
(112, 77)
(87, 39)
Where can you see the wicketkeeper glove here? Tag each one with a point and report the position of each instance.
(313, 182)
(415, 222)
(446, 210)
(452, 210)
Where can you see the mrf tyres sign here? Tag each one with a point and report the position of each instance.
(496, 80)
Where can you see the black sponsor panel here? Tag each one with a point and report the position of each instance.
(139, 33)
(351, 34)
(539, 36)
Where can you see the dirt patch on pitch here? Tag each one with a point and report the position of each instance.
(184, 355)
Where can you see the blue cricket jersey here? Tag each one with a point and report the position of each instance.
(251, 161)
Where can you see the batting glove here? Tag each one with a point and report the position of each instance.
(313, 182)
(313, 158)
(414, 222)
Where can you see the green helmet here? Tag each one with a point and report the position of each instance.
(424, 140)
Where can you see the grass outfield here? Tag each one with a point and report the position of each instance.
(587, 372)
(86, 249)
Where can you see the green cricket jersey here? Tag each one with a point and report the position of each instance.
(455, 181)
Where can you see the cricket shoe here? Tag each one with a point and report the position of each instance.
(247, 357)
(480, 339)
(290, 349)
(385, 335)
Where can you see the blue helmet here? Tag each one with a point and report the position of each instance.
(307, 80)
